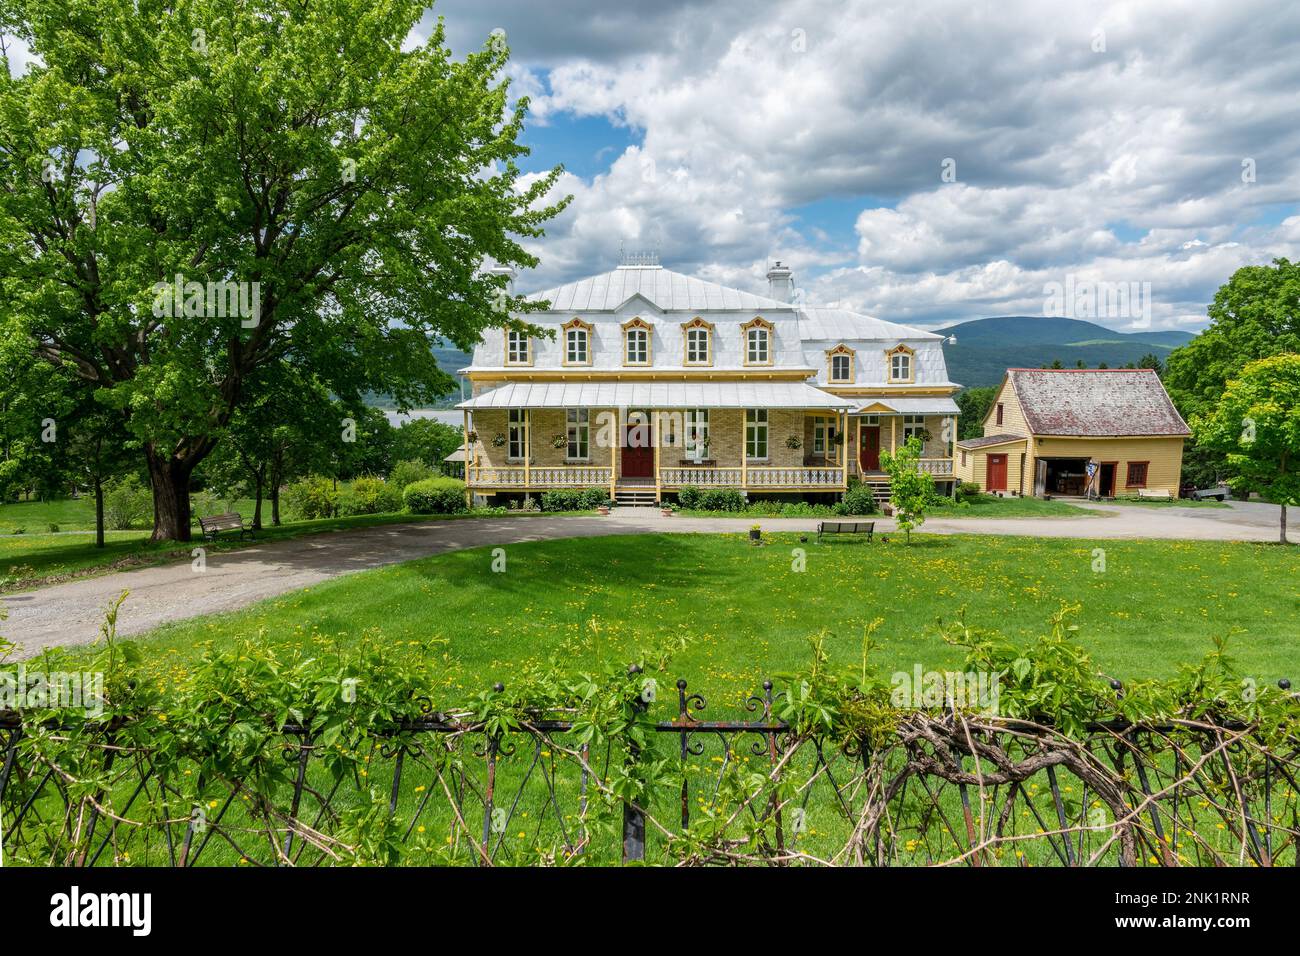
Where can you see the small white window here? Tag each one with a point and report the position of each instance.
(757, 346)
(841, 369)
(638, 346)
(900, 367)
(822, 430)
(517, 348)
(576, 346)
(914, 425)
(697, 346)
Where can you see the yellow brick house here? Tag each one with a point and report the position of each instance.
(651, 380)
(1074, 432)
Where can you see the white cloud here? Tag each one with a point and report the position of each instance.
(1061, 152)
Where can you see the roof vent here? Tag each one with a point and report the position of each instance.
(780, 282)
(505, 270)
(638, 260)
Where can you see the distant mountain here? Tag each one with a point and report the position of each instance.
(986, 348)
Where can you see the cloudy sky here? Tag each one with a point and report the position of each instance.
(1109, 142)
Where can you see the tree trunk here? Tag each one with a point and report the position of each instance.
(99, 512)
(1283, 536)
(169, 478)
(259, 478)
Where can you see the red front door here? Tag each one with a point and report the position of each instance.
(869, 448)
(638, 450)
(997, 473)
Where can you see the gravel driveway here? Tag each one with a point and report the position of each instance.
(70, 613)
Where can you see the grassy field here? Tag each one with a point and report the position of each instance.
(742, 612)
(991, 506)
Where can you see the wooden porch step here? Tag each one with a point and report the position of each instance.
(634, 497)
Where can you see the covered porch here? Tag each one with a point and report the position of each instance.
(656, 437)
(879, 425)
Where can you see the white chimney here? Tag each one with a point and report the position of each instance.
(509, 272)
(780, 283)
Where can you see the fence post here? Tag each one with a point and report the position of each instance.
(633, 815)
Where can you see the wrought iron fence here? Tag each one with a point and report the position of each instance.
(939, 788)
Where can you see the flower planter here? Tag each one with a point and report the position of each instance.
(755, 534)
(668, 512)
(603, 510)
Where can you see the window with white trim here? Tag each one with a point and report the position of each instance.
(900, 367)
(517, 433)
(841, 368)
(756, 433)
(758, 343)
(697, 433)
(697, 346)
(913, 425)
(637, 346)
(517, 348)
(577, 346)
(823, 429)
(579, 433)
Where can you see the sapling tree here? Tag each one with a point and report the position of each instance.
(910, 488)
(1257, 425)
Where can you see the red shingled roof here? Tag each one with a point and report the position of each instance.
(1095, 402)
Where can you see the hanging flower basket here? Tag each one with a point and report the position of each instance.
(558, 441)
(794, 443)
(498, 440)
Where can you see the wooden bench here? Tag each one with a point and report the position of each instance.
(846, 527)
(215, 524)
(1163, 495)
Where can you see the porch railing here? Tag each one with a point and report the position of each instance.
(766, 477)
(937, 466)
(702, 476)
(517, 476)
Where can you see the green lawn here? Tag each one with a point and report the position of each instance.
(743, 613)
(991, 506)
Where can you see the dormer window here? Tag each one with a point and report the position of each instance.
(901, 363)
(518, 348)
(699, 342)
(577, 343)
(758, 342)
(636, 342)
(839, 365)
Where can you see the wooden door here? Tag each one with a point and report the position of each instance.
(997, 473)
(869, 448)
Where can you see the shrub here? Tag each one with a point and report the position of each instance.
(435, 496)
(858, 500)
(968, 490)
(408, 473)
(370, 496)
(574, 499)
(312, 497)
(127, 503)
(689, 497)
(722, 499)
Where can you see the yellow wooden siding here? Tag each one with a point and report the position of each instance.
(976, 468)
(1013, 417)
(1164, 456)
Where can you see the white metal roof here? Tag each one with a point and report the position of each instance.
(838, 325)
(657, 395)
(913, 406)
(668, 290)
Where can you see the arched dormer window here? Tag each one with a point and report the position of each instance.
(756, 338)
(839, 365)
(697, 340)
(637, 337)
(577, 342)
(900, 361)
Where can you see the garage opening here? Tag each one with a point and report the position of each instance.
(1065, 476)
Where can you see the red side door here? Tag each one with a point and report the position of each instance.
(997, 473)
(869, 448)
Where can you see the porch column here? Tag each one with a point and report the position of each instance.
(469, 495)
(844, 449)
(654, 431)
(893, 431)
(613, 457)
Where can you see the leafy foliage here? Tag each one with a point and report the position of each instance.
(910, 489)
(435, 496)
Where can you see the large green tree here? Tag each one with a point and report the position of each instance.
(322, 191)
(1255, 314)
(1257, 425)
